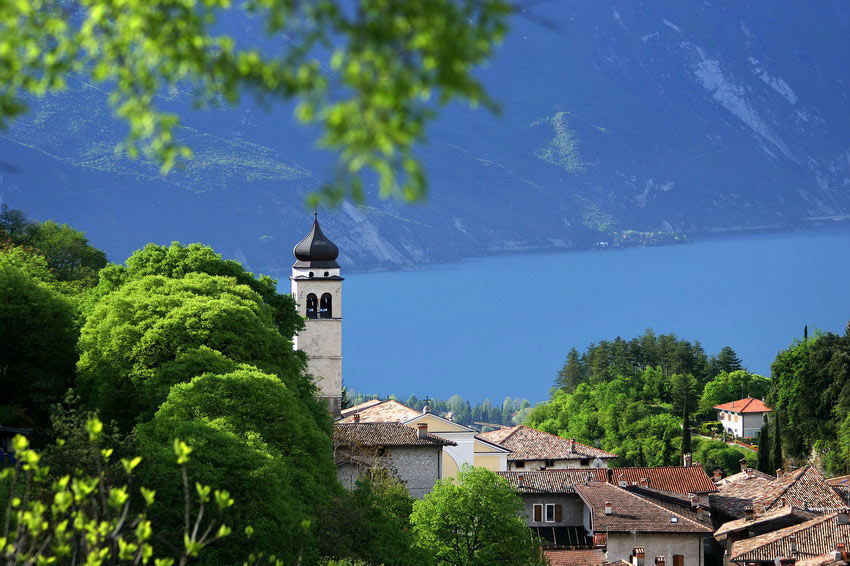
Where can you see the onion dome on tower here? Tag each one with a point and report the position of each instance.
(316, 250)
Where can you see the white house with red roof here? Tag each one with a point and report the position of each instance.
(743, 417)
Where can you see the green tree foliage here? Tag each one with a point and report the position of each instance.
(811, 398)
(87, 519)
(635, 397)
(725, 387)
(715, 454)
(251, 435)
(392, 65)
(177, 260)
(157, 331)
(572, 373)
(38, 335)
(765, 463)
(609, 359)
(726, 361)
(472, 520)
(371, 524)
(67, 251)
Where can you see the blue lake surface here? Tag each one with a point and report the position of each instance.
(502, 326)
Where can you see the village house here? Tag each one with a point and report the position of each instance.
(467, 448)
(744, 417)
(822, 539)
(412, 455)
(634, 529)
(532, 449)
(555, 511)
(805, 488)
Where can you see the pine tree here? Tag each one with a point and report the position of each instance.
(764, 461)
(777, 446)
(727, 360)
(572, 373)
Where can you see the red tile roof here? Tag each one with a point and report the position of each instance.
(679, 479)
(772, 515)
(383, 434)
(380, 412)
(812, 538)
(574, 557)
(804, 488)
(748, 405)
(526, 443)
(552, 481)
(632, 513)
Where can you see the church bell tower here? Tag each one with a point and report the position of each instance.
(317, 290)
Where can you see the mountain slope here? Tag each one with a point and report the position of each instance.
(658, 117)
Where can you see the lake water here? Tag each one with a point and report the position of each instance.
(502, 326)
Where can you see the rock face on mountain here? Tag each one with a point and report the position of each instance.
(625, 123)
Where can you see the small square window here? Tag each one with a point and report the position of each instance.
(584, 462)
(550, 512)
(519, 464)
(548, 463)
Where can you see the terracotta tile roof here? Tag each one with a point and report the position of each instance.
(750, 473)
(804, 489)
(552, 481)
(748, 405)
(575, 557)
(673, 501)
(381, 412)
(383, 434)
(360, 406)
(632, 512)
(679, 479)
(772, 515)
(813, 538)
(526, 443)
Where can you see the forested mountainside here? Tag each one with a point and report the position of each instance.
(624, 123)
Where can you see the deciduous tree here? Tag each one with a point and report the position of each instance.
(472, 520)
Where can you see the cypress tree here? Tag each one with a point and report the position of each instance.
(764, 461)
(686, 430)
(777, 446)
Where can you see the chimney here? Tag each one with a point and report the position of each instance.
(644, 482)
(749, 513)
(692, 497)
(659, 561)
(520, 480)
(700, 513)
(750, 473)
(357, 417)
(621, 481)
(609, 509)
(843, 517)
(421, 430)
(779, 473)
(718, 475)
(840, 553)
(743, 463)
(638, 556)
(686, 459)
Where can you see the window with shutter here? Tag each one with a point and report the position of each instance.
(678, 560)
(538, 513)
(550, 512)
(559, 513)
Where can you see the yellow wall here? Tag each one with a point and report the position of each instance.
(450, 467)
(489, 461)
(436, 425)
